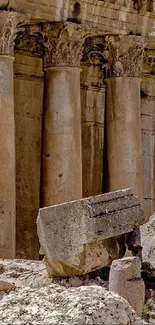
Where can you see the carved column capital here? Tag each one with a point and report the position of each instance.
(8, 29)
(63, 44)
(124, 56)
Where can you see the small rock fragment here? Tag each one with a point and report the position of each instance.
(125, 279)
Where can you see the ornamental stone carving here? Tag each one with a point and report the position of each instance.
(117, 56)
(125, 56)
(8, 28)
(63, 44)
(94, 57)
(95, 52)
(29, 41)
(150, 61)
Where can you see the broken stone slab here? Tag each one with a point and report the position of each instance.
(77, 237)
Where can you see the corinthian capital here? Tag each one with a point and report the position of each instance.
(63, 44)
(125, 56)
(8, 28)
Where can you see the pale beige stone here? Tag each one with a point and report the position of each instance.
(61, 178)
(125, 279)
(148, 133)
(28, 93)
(108, 17)
(7, 160)
(92, 105)
(124, 135)
(75, 235)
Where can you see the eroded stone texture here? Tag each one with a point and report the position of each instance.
(75, 235)
(148, 241)
(61, 176)
(123, 119)
(28, 92)
(93, 109)
(56, 304)
(148, 126)
(8, 23)
(125, 279)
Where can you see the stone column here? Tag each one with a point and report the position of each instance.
(8, 23)
(28, 93)
(93, 109)
(61, 175)
(123, 116)
(148, 126)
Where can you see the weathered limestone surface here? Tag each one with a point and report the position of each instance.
(28, 93)
(148, 126)
(61, 175)
(40, 300)
(61, 178)
(74, 236)
(8, 23)
(125, 279)
(123, 118)
(109, 16)
(7, 164)
(92, 105)
(148, 241)
(93, 111)
(124, 135)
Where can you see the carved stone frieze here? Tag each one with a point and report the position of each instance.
(149, 56)
(28, 41)
(150, 61)
(95, 51)
(93, 59)
(63, 44)
(145, 5)
(8, 29)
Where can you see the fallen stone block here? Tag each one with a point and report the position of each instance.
(125, 279)
(77, 237)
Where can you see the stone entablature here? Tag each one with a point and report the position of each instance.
(112, 16)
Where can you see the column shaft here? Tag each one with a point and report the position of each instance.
(61, 149)
(124, 134)
(7, 158)
(93, 109)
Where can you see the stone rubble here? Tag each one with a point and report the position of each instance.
(57, 305)
(148, 241)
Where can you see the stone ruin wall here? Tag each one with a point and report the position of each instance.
(100, 18)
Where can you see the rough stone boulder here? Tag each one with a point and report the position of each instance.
(148, 241)
(79, 236)
(54, 304)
